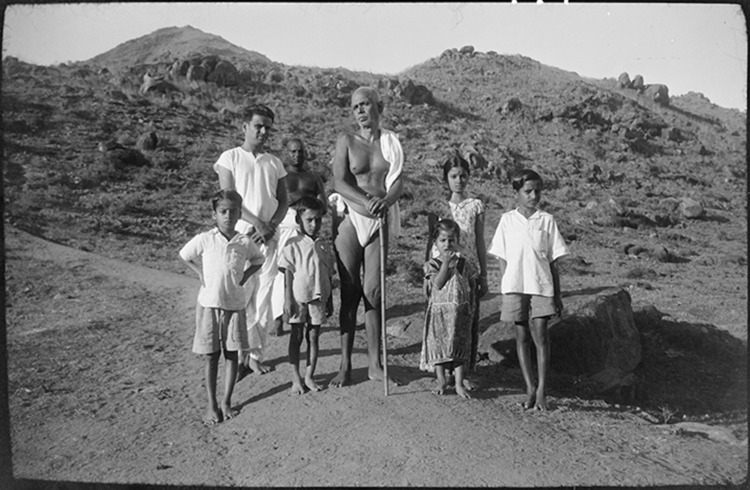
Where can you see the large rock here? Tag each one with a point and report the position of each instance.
(224, 74)
(657, 92)
(624, 80)
(196, 73)
(691, 208)
(414, 94)
(637, 83)
(596, 338)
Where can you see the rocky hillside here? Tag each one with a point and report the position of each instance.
(114, 154)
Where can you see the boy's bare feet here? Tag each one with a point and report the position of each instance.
(312, 385)
(462, 392)
(440, 388)
(342, 378)
(296, 388)
(228, 412)
(212, 416)
(257, 366)
(541, 403)
(530, 400)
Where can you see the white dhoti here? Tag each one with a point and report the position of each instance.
(258, 290)
(288, 228)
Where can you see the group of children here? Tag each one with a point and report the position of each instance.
(527, 244)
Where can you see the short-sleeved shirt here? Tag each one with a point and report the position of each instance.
(528, 246)
(224, 264)
(311, 262)
(255, 179)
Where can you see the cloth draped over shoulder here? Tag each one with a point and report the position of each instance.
(391, 149)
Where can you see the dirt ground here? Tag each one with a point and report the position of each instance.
(102, 387)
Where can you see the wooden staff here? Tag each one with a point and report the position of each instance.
(382, 303)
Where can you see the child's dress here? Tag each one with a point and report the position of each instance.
(447, 322)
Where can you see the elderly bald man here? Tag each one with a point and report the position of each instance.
(367, 175)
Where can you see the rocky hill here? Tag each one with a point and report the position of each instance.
(172, 43)
(114, 154)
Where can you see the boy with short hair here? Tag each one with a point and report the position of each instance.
(221, 323)
(307, 262)
(528, 244)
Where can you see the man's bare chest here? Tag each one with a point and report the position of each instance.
(366, 158)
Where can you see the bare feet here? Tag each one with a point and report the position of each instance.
(212, 416)
(312, 385)
(530, 400)
(462, 392)
(341, 379)
(439, 388)
(541, 403)
(470, 385)
(296, 388)
(257, 366)
(376, 374)
(228, 412)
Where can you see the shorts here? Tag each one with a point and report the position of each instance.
(217, 329)
(313, 312)
(518, 308)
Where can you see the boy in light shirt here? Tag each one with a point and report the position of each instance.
(307, 262)
(528, 244)
(228, 260)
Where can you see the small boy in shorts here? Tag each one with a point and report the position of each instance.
(228, 260)
(307, 263)
(528, 244)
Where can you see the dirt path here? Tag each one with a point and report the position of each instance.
(103, 387)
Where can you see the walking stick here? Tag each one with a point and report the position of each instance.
(382, 304)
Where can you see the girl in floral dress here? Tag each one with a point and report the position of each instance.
(446, 342)
(468, 213)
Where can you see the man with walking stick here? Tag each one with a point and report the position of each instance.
(367, 168)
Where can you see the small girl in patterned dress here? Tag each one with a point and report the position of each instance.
(446, 342)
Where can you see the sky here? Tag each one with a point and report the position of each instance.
(688, 47)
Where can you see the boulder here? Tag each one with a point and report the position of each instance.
(467, 50)
(657, 92)
(596, 338)
(209, 63)
(414, 94)
(148, 141)
(196, 73)
(637, 83)
(624, 80)
(511, 105)
(691, 208)
(224, 74)
(156, 84)
(179, 69)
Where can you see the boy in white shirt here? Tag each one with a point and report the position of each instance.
(307, 262)
(528, 244)
(221, 323)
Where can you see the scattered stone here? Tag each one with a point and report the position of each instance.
(691, 208)
(196, 73)
(148, 141)
(224, 74)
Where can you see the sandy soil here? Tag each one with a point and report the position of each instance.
(102, 387)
